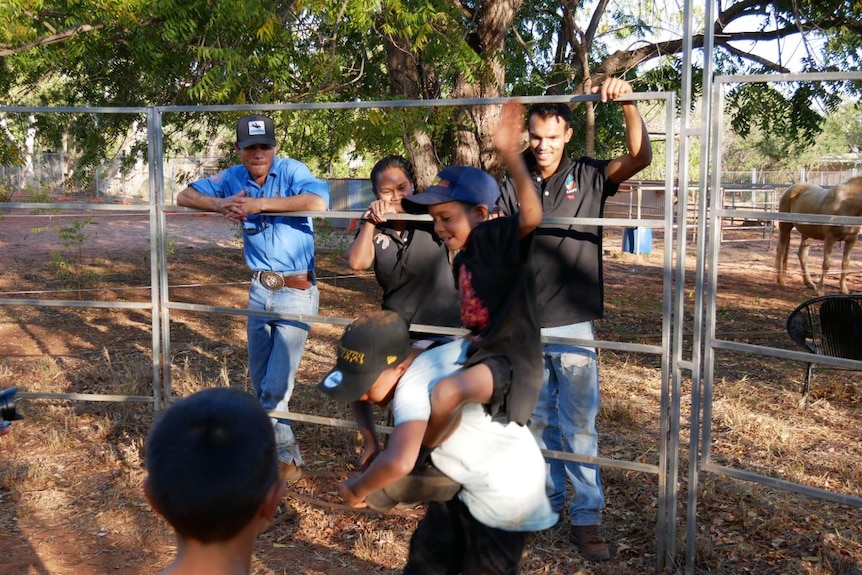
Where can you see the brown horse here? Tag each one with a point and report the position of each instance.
(842, 200)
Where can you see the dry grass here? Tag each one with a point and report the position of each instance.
(70, 472)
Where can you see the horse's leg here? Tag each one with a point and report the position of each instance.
(782, 251)
(804, 244)
(845, 261)
(828, 242)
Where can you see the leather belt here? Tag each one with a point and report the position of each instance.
(274, 281)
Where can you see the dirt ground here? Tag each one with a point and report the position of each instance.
(70, 472)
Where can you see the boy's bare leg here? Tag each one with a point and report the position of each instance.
(472, 385)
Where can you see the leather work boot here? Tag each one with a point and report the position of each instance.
(289, 472)
(588, 539)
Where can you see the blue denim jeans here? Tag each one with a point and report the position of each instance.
(275, 347)
(565, 420)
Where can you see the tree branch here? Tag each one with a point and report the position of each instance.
(594, 22)
(763, 61)
(52, 39)
(527, 52)
(627, 59)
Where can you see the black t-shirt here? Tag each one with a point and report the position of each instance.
(415, 275)
(568, 259)
(496, 283)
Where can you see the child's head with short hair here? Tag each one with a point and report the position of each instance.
(460, 199)
(211, 462)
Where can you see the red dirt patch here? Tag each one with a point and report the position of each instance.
(70, 498)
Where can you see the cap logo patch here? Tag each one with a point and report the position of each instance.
(352, 356)
(443, 183)
(333, 380)
(390, 359)
(256, 128)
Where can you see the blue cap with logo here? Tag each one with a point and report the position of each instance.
(456, 183)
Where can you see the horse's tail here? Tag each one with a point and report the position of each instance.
(788, 197)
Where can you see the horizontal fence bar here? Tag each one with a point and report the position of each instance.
(794, 217)
(76, 303)
(95, 206)
(782, 484)
(347, 424)
(804, 77)
(615, 345)
(71, 110)
(786, 354)
(304, 318)
(86, 397)
(353, 214)
(437, 103)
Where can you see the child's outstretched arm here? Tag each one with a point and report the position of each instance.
(507, 139)
(393, 463)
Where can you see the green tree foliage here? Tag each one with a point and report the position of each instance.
(837, 146)
(193, 52)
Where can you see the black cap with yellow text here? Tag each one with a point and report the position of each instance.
(369, 345)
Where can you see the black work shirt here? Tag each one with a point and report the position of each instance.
(414, 272)
(567, 259)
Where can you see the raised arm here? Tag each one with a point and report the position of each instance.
(360, 253)
(507, 139)
(639, 154)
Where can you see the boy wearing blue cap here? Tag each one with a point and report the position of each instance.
(496, 284)
(468, 399)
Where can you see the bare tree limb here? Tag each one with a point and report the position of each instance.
(754, 57)
(48, 40)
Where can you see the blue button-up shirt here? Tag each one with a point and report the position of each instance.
(283, 244)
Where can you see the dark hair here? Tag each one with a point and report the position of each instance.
(550, 110)
(392, 162)
(211, 460)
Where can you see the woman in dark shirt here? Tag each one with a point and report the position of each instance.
(410, 263)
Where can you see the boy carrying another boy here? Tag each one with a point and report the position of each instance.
(213, 475)
(468, 399)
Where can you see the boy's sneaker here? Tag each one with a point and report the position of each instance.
(588, 539)
(425, 484)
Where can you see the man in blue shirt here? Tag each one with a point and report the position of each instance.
(279, 249)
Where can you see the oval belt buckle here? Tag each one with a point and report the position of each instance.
(271, 281)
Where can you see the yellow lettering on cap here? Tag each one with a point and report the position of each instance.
(352, 356)
(390, 359)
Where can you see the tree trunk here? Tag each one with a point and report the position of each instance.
(476, 124)
(406, 80)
